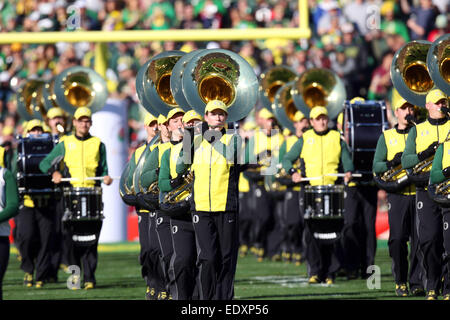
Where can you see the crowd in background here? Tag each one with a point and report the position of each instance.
(356, 39)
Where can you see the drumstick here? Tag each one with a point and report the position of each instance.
(356, 175)
(89, 178)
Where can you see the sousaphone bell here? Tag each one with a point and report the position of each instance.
(284, 107)
(410, 74)
(438, 62)
(272, 80)
(319, 87)
(153, 82)
(218, 74)
(30, 100)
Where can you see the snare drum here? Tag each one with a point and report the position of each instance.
(83, 204)
(324, 202)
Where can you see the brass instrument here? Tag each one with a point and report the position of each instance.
(393, 180)
(272, 80)
(440, 193)
(438, 62)
(319, 87)
(218, 74)
(182, 192)
(76, 87)
(409, 72)
(443, 187)
(153, 84)
(30, 100)
(284, 107)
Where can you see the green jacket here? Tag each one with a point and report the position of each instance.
(11, 197)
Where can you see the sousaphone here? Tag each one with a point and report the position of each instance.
(438, 63)
(30, 100)
(410, 74)
(319, 87)
(76, 87)
(284, 107)
(272, 80)
(218, 74)
(153, 82)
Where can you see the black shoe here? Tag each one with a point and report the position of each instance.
(150, 294)
(162, 296)
(418, 292)
(431, 295)
(401, 290)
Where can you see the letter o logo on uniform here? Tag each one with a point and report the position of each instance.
(258, 193)
(159, 220)
(174, 229)
(345, 194)
(288, 195)
(139, 219)
(419, 205)
(195, 218)
(152, 214)
(445, 225)
(389, 206)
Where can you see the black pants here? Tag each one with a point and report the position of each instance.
(144, 242)
(217, 238)
(35, 228)
(431, 247)
(359, 241)
(402, 229)
(183, 269)
(261, 207)
(59, 250)
(293, 223)
(446, 223)
(156, 278)
(164, 233)
(277, 226)
(246, 236)
(4, 260)
(83, 244)
(321, 255)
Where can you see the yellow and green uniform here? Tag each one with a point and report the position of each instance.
(320, 154)
(81, 158)
(441, 161)
(390, 143)
(216, 175)
(421, 136)
(286, 147)
(153, 163)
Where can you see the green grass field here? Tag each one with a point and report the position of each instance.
(118, 278)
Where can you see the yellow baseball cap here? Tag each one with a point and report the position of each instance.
(249, 125)
(82, 112)
(399, 102)
(299, 116)
(162, 119)
(435, 95)
(216, 104)
(357, 99)
(173, 112)
(317, 111)
(55, 112)
(7, 130)
(191, 115)
(149, 118)
(286, 132)
(265, 114)
(33, 124)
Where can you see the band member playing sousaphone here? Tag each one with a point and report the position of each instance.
(402, 202)
(83, 158)
(176, 191)
(321, 152)
(421, 144)
(151, 128)
(440, 175)
(148, 182)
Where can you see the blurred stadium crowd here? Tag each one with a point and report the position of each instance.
(355, 38)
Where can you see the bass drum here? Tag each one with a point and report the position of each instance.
(363, 123)
(30, 152)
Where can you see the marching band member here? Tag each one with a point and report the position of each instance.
(159, 279)
(321, 151)
(35, 227)
(215, 204)
(294, 224)
(421, 145)
(262, 147)
(151, 128)
(9, 207)
(402, 205)
(182, 269)
(56, 122)
(82, 155)
(440, 172)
